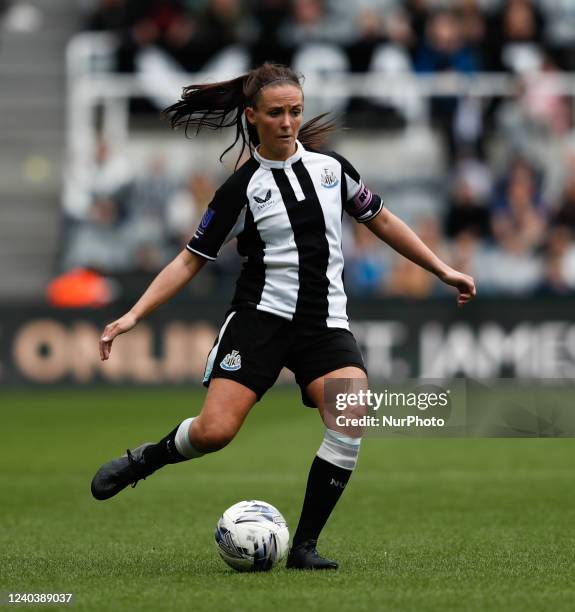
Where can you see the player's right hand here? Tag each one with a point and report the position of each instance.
(117, 327)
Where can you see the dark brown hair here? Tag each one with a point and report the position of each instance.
(221, 105)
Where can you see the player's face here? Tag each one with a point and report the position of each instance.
(277, 118)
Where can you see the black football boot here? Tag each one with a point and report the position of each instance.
(117, 474)
(304, 556)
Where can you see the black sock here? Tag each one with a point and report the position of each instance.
(325, 484)
(164, 452)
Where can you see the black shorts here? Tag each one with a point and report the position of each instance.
(253, 346)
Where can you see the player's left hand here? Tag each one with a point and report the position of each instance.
(462, 282)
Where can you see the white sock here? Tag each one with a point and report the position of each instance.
(183, 443)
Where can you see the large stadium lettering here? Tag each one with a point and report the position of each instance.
(378, 340)
(48, 351)
(528, 350)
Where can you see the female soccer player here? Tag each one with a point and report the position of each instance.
(285, 206)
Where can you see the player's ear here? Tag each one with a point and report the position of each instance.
(250, 115)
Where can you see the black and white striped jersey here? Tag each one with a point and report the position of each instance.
(287, 218)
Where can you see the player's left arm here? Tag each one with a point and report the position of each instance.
(404, 240)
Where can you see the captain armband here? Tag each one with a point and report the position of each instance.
(365, 205)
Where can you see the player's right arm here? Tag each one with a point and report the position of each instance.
(222, 221)
(167, 283)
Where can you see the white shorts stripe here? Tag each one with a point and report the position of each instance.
(214, 351)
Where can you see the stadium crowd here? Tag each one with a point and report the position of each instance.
(504, 201)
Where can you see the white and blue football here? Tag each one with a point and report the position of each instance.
(252, 536)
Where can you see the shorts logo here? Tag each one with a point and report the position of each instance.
(329, 179)
(232, 361)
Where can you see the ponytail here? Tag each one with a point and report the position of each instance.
(314, 133)
(214, 106)
(221, 105)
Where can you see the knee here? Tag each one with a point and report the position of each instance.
(209, 437)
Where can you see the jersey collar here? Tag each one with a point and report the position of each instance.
(270, 163)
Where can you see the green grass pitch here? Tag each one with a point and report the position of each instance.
(432, 524)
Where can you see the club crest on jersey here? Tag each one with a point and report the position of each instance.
(329, 179)
(232, 361)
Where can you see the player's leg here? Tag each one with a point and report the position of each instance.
(329, 474)
(243, 364)
(225, 408)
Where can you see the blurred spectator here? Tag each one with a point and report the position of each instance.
(219, 26)
(268, 17)
(518, 213)
(372, 51)
(509, 269)
(445, 50)
(313, 21)
(568, 265)
(409, 280)
(184, 44)
(468, 127)
(565, 211)
(468, 212)
(515, 41)
(369, 35)
(150, 191)
(530, 123)
(109, 15)
(418, 12)
(560, 30)
(110, 173)
(101, 241)
(542, 105)
(108, 176)
(399, 30)
(465, 253)
(367, 263)
(315, 36)
(187, 205)
(559, 262)
(473, 28)
(146, 222)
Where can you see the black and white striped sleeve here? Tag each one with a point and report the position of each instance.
(358, 201)
(224, 217)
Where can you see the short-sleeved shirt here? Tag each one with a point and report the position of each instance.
(287, 217)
